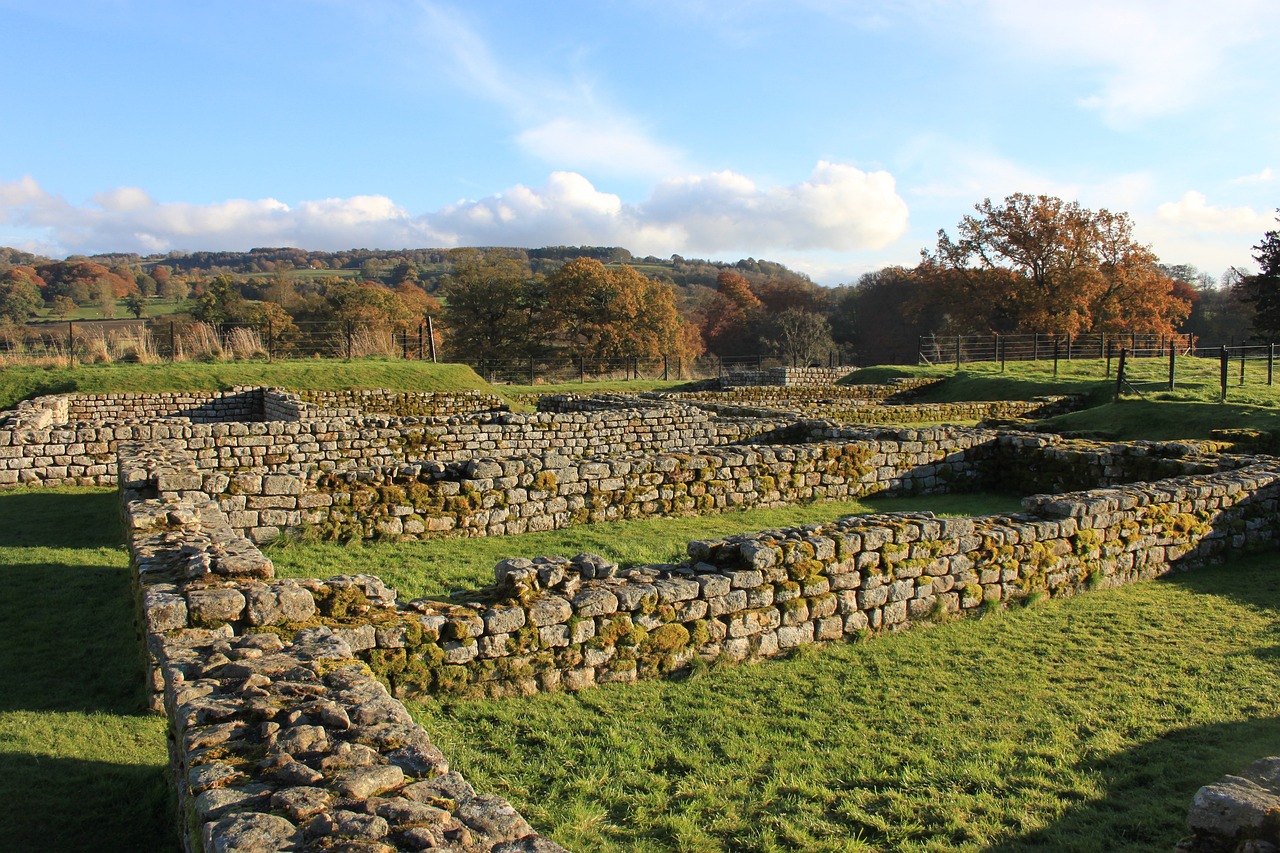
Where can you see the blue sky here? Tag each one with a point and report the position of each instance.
(835, 136)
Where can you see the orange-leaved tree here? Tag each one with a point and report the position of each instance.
(1039, 263)
(601, 312)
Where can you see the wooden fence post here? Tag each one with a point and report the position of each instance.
(1223, 357)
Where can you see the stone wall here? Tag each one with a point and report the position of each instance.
(297, 436)
(778, 397)
(283, 740)
(405, 403)
(281, 732)
(554, 622)
(492, 497)
(807, 377)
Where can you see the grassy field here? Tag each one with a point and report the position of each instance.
(81, 763)
(20, 383)
(1084, 724)
(434, 567)
(1192, 410)
(1077, 725)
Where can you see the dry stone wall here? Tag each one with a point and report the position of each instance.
(281, 731)
(283, 740)
(41, 444)
(800, 377)
(405, 403)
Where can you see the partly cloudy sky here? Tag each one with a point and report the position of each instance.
(836, 136)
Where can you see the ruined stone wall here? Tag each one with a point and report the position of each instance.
(406, 403)
(281, 733)
(768, 396)
(294, 437)
(287, 739)
(806, 377)
(551, 622)
(492, 497)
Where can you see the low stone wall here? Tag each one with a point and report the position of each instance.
(431, 404)
(553, 622)
(83, 454)
(283, 742)
(281, 733)
(491, 496)
(787, 376)
(778, 397)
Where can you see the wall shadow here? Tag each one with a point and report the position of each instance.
(71, 805)
(1149, 790)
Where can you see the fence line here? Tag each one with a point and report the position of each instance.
(76, 342)
(963, 349)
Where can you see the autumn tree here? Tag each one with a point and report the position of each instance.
(1262, 290)
(1038, 263)
(727, 316)
(604, 312)
(19, 296)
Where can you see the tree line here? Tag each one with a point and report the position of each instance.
(1027, 264)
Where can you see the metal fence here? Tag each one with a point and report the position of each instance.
(962, 349)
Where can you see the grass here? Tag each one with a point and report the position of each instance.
(1192, 410)
(434, 567)
(82, 765)
(20, 383)
(1078, 725)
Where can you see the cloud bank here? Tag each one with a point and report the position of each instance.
(838, 208)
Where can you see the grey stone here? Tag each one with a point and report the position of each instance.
(362, 783)
(250, 833)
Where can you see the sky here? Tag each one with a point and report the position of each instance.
(835, 136)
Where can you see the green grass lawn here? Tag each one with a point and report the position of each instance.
(1077, 725)
(20, 383)
(434, 567)
(82, 765)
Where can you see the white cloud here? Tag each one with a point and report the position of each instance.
(1193, 212)
(1154, 57)
(594, 143)
(839, 208)
(1266, 176)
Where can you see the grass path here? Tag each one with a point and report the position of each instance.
(81, 763)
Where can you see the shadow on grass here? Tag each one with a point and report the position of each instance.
(81, 762)
(1149, 789)
(60, 518)
(67, 804)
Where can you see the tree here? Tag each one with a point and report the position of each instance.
(221, 302)
(728, 314)
(1038, 263)
(604, 312)
(62, 306)
(801, 336)
(1262, 290)
(104, 296)
(136, 304)
(493, 307)
(19, 297)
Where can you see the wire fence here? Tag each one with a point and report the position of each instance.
(161, 340)
(1140, 364)
(963, 349)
